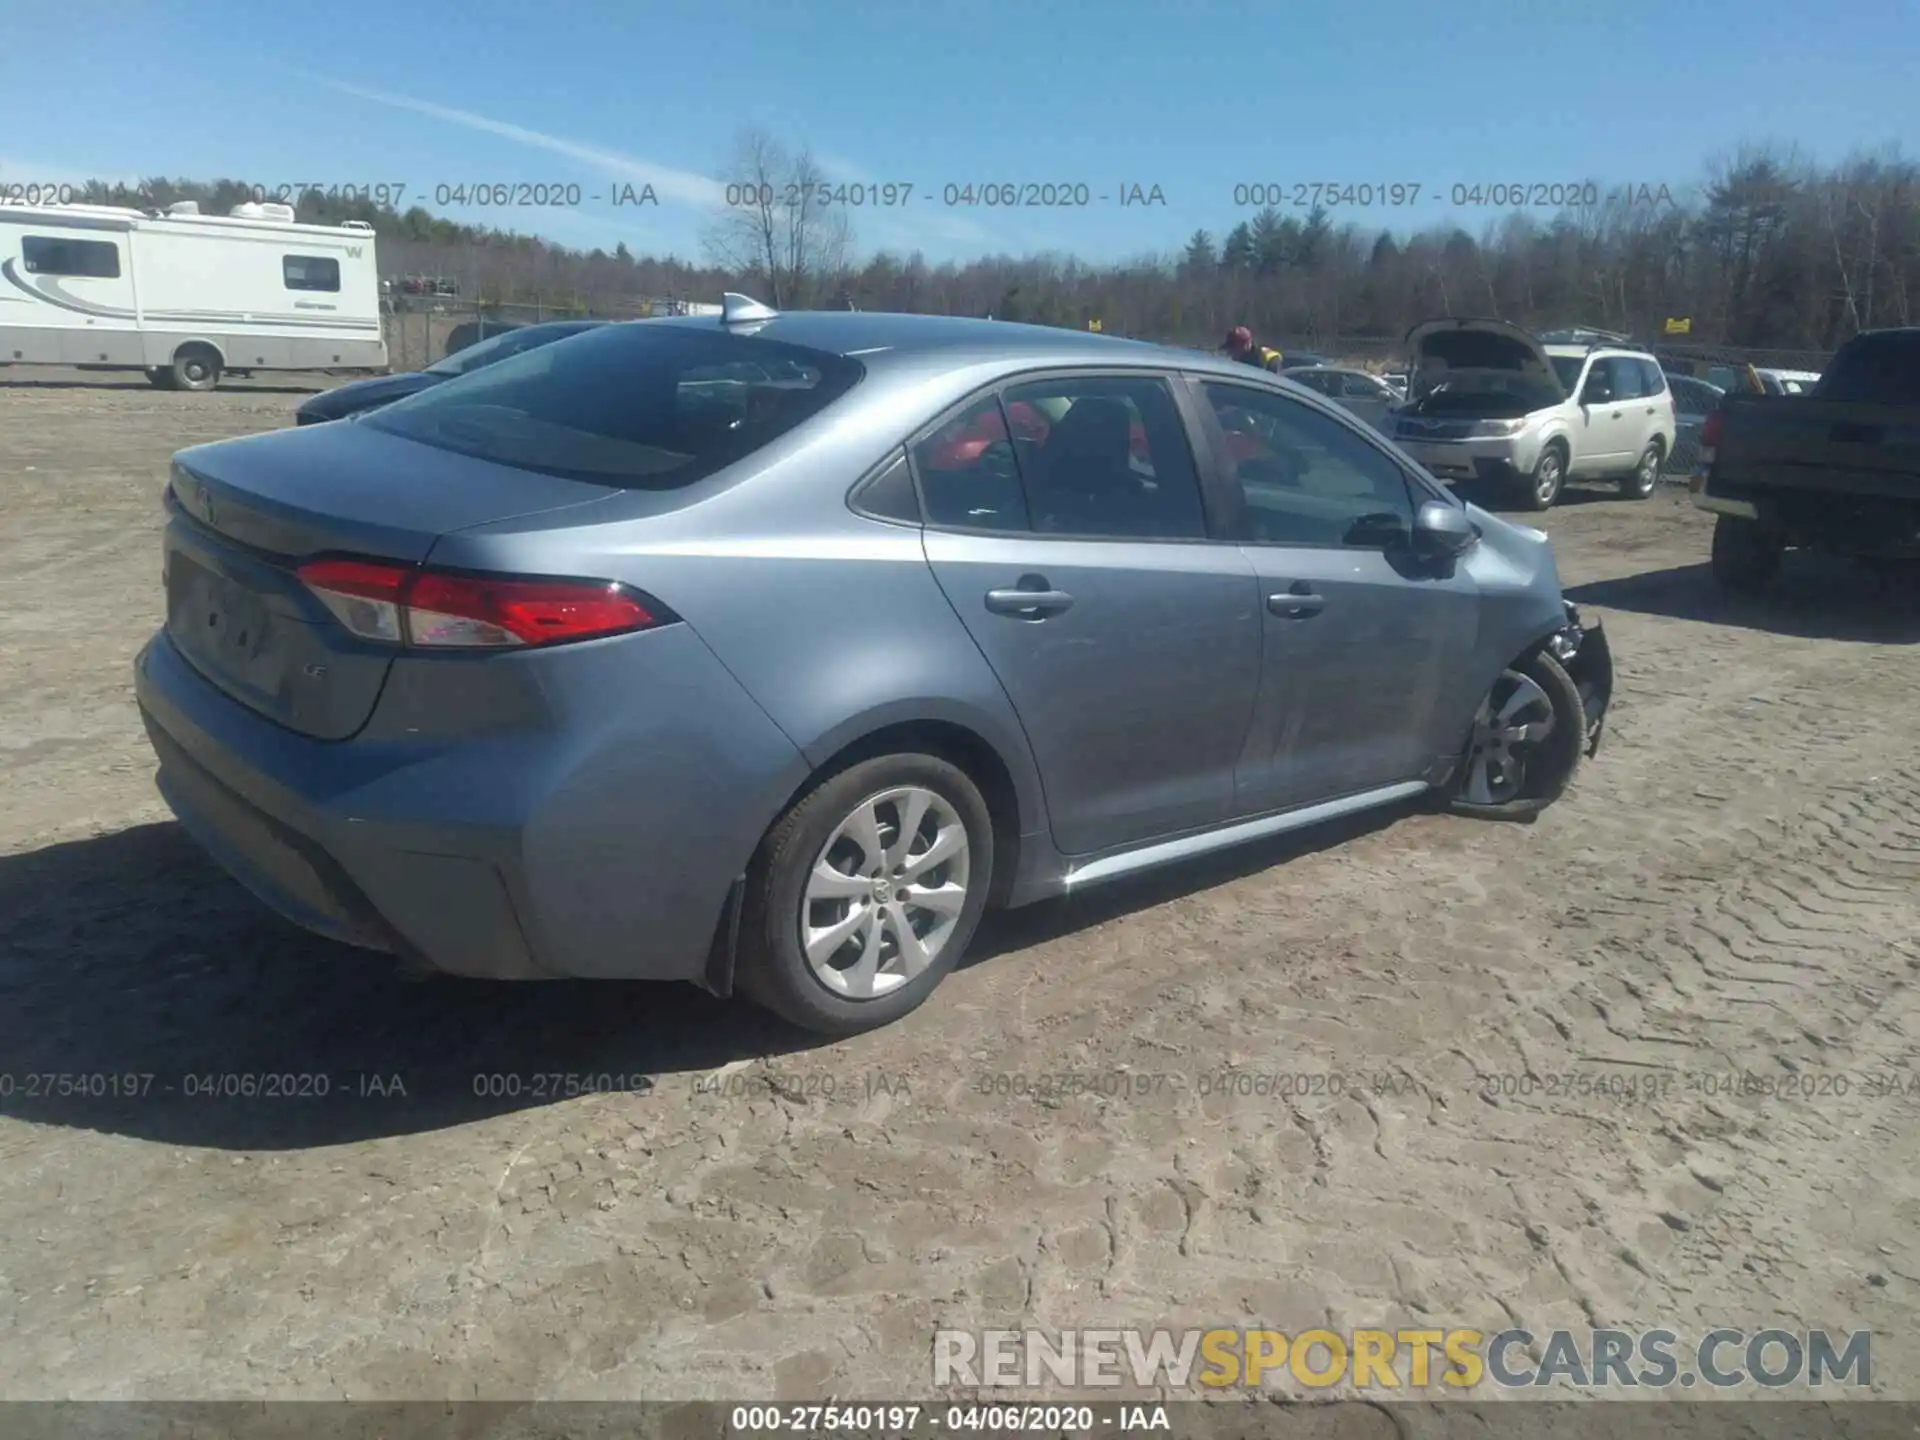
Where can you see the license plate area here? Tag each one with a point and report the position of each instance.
(227, 631)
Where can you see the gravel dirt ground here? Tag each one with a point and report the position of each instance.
(1423, 1022)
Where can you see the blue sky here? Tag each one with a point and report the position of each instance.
(1193, 96)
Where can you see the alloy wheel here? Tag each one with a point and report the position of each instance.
(885, 892)
(1646, 475)
(1514, 718)
(1546, 479)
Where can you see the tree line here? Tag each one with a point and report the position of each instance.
(1769, 250)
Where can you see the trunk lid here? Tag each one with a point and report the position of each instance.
(1470, 351)
(246, 512)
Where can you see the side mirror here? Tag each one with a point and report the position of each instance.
(1443, 530)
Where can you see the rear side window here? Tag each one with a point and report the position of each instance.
(1652, 381)
(310, 272)
(92, 259)
(641, 406)
(969, 478)
(1882, 369)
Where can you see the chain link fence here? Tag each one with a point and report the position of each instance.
(421, 329)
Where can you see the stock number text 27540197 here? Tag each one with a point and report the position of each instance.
(1327, 194)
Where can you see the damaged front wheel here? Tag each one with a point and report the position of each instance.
(1525, 745)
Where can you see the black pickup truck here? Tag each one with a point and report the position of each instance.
(1835, 470)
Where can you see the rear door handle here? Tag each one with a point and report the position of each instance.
(1028, 604)
(1300, 602)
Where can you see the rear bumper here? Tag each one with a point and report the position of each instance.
(604, 852)
(1835, 519)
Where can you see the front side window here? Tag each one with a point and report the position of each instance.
(88, 259)
(1114, 461)
(626, 405)
(1625, 377)
(1305, 478)
(310, 272)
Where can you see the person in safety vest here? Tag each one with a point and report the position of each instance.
(1240, 346)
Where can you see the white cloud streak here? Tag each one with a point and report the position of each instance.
(683, 187)
(897, 231)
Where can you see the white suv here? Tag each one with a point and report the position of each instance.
(1489, 402)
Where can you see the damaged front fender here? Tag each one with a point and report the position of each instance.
(1583, 650)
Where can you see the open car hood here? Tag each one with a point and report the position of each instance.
(1454, 346)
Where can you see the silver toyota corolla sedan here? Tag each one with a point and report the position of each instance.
(765, 651)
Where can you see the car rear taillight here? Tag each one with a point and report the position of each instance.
(1703, 454)
(442, 610)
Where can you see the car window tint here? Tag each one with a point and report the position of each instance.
(624, 405)
(1305, 478)
(1652, 382)
(1114, 461)
(1881, 367)
(1363, 387)
(968, 476)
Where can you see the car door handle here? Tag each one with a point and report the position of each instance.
(1300, 602)
(1028, 604)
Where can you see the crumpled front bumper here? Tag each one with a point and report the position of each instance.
(1583, 650)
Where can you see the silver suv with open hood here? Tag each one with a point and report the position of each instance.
(1489, 402)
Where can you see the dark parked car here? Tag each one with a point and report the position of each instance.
(361, 395)
(767, 651)
(1693, 401)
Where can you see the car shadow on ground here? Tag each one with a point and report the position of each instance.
(1011, 930)
(1815, 597)
(144, 993)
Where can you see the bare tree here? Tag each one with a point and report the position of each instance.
(780, 225)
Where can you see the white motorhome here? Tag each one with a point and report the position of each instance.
(185, 296)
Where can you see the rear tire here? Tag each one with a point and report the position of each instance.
(1504, 775)
(839, 855)
(1549, 476)
(195, 367)
(1645, 478)
(1746, 554)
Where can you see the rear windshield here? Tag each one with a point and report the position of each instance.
(1875, 370)
(643, 405)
